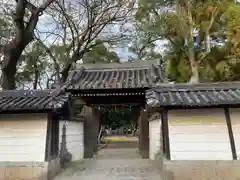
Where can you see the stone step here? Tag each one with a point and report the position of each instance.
(118, 153)
(121, 163)
(122, 145)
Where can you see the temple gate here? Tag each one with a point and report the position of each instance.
(97, 86)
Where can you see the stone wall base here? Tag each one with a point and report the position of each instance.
(29, 170)
(201, 170)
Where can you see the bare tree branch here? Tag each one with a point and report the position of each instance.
(80, 31)
(55, 61)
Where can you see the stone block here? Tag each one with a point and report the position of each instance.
(18, 172)
(228, 173)
(202, 170)
(40, 173)
(2, 173)
(15, 173)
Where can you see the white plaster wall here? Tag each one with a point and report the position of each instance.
(154, 138)
(23, 137)
(199, 134)
(74, 138)
(235, 119)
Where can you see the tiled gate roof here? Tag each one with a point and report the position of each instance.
(32, 100)
(205, 94)
(111, 76)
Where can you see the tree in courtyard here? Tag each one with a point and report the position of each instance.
(179, 24)
(32, 67)
(74, 29)
(35, 66)
(25, 17)
(84, 28)
(121, 117)
(144, 45)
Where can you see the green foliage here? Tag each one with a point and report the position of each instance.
(32, 65)
(177, 66)
(119, 117)
(233, 28)
(211, 19)
(100, 54)
(216, 65)
(144, 43)
(60, 52)
(6, 30)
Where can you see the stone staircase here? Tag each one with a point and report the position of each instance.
(112, 164)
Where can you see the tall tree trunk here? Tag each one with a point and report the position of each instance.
(195, 72)
(75, 57)
(9, 67)
(191, 49)
(193, 61)
(12, 53)
(207, 42)
(8, 78)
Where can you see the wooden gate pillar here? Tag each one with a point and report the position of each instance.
(91, 129)
(144, 134)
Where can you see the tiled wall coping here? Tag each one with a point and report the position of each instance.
(191, 163)
(23, 164)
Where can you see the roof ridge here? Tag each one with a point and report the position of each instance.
(196, 90)
(202, 83)
(139, 63)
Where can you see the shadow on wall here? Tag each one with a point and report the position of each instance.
(65, 155)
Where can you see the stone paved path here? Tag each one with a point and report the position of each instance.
(112, 164)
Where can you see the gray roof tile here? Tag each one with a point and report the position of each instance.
(32, 100)
(187, 95)
(124, 76)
